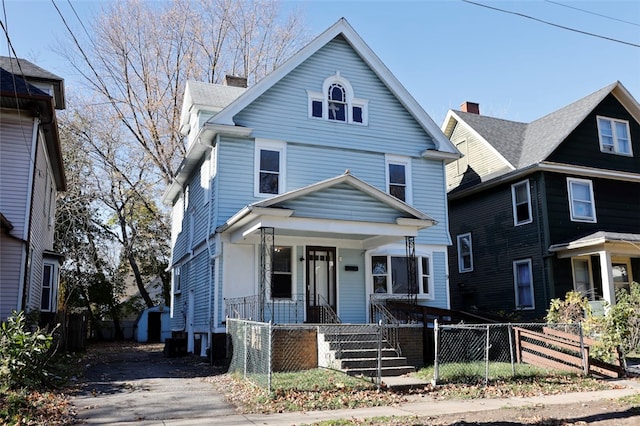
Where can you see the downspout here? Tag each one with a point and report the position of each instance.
(209, 251)
(26, 265)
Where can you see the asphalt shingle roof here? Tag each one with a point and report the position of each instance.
(213, 95)
(21, 66)
(523, 144)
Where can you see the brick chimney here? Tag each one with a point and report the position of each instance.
(235, 81)
(470, 107)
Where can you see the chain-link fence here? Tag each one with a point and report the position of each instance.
(250, 345)
(471, 353)
(260, 349)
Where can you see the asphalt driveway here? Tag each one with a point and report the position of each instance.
(130, 382)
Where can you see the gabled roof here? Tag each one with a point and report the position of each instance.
(208, 97)
(524, 144)
(353, 181)
(34, 74)
(340, 28)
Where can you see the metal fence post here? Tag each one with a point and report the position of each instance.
(513, 365)
(434, 381)
(246, 349)
(486, 358)
(379, 372)
(269, 355)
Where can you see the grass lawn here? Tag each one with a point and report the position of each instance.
(322, 389)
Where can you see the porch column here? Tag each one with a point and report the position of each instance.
(608, 289)
(412, 274)
(266, 266)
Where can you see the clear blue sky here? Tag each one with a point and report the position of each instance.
(443, 51)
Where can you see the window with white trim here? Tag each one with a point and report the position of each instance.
(521, 201)
(523, 282)
(337, 102)
(465, 253)
(614, 136)
(581, 202)
(398, 175)
(282, 275)
(177, 283)
(47, 294)
(390, 275)
(270, 173)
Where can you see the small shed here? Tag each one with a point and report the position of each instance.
(152, 325)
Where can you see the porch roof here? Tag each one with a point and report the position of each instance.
(357, 226)
(615, 242)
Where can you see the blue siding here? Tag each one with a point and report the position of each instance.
(351, 292)
(429, 196)
(282, 112)
(235, 177)
(439, 280)
(342, 202)
(199, 281)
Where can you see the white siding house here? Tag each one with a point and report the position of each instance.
(308, 192)
(31, 173)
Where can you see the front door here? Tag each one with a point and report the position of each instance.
(321, 281)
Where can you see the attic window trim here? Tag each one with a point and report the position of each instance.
(615, 138)
(356, 109)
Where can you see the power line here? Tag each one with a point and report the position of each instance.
(552, 24)
(593, 13)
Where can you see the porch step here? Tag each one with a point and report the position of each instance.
(353, 344)
(385, 372)
(366, 353)
(372, 362)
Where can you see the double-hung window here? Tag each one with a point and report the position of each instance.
(521, 201)
(282, 276)
(398, 174)
(614, 136)
(581, 202)
(523, 281)
(177, 284)
(270, 160)
(390, 275)
(47, 295)
(465, 253)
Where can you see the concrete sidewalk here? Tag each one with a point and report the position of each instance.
(422, 409)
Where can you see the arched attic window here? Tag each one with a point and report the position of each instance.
(336, 102)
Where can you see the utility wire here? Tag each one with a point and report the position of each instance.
(552, 24)
(593, 13)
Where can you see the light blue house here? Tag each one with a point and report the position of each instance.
(308, 195)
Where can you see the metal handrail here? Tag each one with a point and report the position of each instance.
(389, 323)
(327, 314)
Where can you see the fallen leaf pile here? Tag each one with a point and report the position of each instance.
(35, 408)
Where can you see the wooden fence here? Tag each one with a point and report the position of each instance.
(561, 350)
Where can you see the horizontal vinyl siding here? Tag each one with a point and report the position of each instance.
(429, 196)
(199, 281)
(439, 263)
(282, 111)
(482, 161)
(16, 135)
(10, 263)
(342, 202)
(352, 299)
(235, 177)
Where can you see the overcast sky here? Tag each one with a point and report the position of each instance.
(444, 52)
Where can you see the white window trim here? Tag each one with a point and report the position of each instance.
(398, 253)
(351, 101)
(515, 284)
(574, 217)
(177, 280)
(461, 267)
(406, 162)
(270, 145)
(616, 147)
(53, 283)
(294, 295)
(515, 207)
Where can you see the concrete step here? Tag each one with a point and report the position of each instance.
(366, 353)
(348, 364)
(355, 344)
(385, 372)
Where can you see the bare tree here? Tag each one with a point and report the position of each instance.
(136, 58)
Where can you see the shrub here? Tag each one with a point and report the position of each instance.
(572, 310)
(25, 356)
